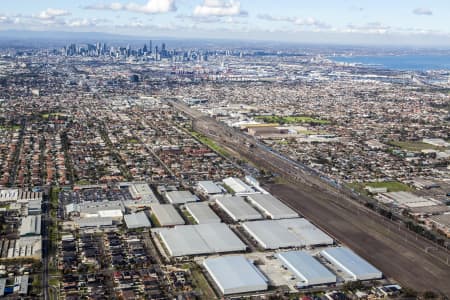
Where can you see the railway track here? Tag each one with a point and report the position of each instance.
(401, 254)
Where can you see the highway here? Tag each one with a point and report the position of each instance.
(45, 243)
(399, 253)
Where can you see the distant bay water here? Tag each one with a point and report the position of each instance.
(400, 62)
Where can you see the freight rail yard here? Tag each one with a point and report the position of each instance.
(379, 239)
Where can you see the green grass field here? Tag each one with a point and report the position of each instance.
(414, 146)
(201, 283)
(82, 182)
(210, 143)
(292, 120)
(392, 186)
(10, 127)
(46, 116)
(133, 141)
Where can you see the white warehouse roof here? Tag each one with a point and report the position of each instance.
(209, 187)
(351, 263)
(235, 274)
(166, 214)
(9, 195)
(274, 234)
(180, 197)
(139, 189)
(94, 222)
(307, 232)
(271, 206)
(143, 192)
(31, 225)
(238, 186)
(307, 269)
(110, 213)
(238, 209)
(202, 213)
(200, 239)
(137, 220)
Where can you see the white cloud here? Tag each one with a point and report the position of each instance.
(268, 17)
(422, 11)
(5, 19)
(79, 23)
(371, 27)
(311, 22)
(85, 22)
(306, 22)
(151, 7)
(219, 8)
(51, 13)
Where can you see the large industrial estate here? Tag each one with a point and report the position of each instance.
(230, 229)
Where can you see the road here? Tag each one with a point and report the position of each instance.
(45, 243)
(398, 253)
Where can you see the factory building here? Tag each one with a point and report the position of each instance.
(209, 188)
(180, 197)
(166, 215)
(200, 239)
(137, 220)
(202, 213)
(237, 208)
(235, 275)
(307, 269)
(142, 191)
(9, 195)
(271, 206)
(31, 225)
(27, 247)
(357, 267)
(286, 233)
(85, 223)
(238, 186)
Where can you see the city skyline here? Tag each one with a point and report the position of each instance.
(416, 23)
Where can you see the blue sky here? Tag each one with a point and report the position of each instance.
(386, 22)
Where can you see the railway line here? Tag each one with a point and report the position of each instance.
(401, 254)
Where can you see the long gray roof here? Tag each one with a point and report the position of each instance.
(235, 274)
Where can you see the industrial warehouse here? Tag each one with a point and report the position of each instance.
(306, 268)
(355, 266)
(271, 206)
(237, 208)
(200, 239)
(235, 275)
(180, 197)
(166, 215)
(202, 213)
(286, 233)
(243, 244)
(137, 220)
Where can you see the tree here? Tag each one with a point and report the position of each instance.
(429, 295)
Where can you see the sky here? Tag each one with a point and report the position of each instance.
(364, 22)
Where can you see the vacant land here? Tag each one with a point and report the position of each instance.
(414, 146)
(201, 284)
(46, 116)
(391, 186)
(210, 143)
(292, 120)
(10, 127)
